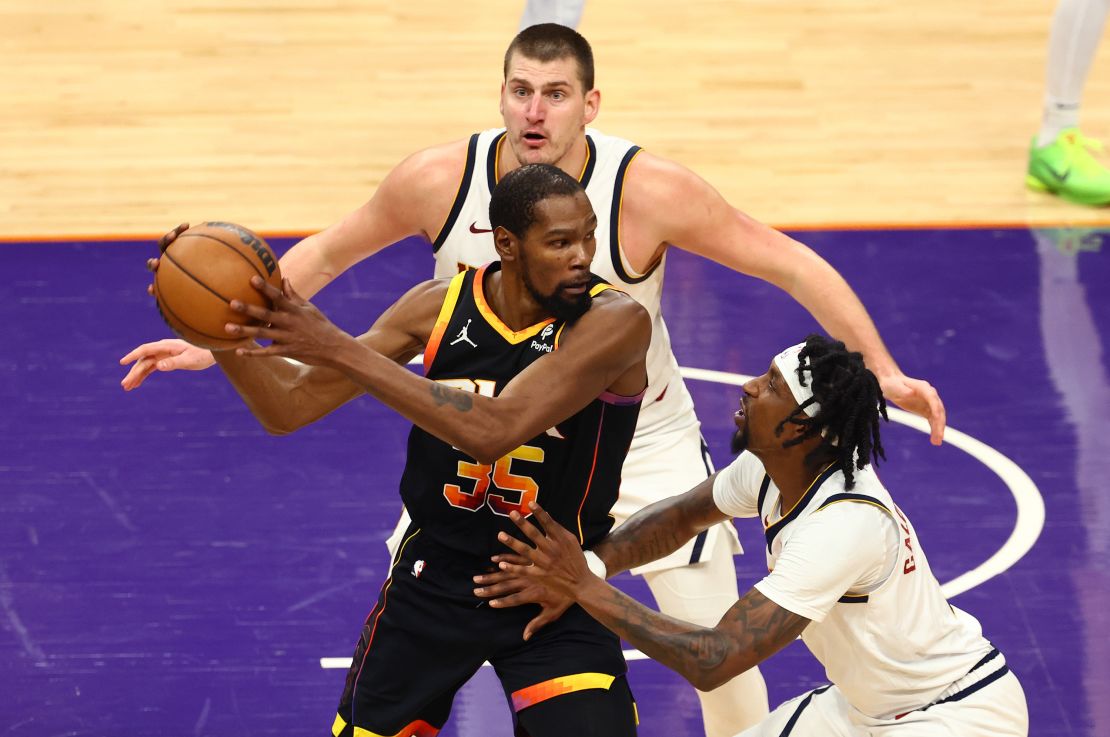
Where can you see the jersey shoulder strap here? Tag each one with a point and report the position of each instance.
(859, 499)
(851, 497)
(460, 195)
(446, 310)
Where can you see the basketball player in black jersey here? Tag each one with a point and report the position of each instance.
(535, 370)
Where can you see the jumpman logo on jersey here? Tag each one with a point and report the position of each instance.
(464, 335)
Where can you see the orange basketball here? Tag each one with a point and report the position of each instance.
(202, 270)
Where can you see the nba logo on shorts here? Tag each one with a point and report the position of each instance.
(417, 568)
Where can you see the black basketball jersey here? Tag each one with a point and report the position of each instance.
(573, 469)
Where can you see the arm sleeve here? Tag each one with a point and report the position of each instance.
(831, 552)
(736, 488)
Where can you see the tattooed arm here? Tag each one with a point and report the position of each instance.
(661, 528)
(604, 350)
(652, 533)
(754, 629)
(285, 396)
(333, 367)
(751, 631)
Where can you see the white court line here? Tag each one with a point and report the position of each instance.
(345, 663)
(1030, 503)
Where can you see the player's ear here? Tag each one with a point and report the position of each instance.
(790, 431)
(505, 243)
(593, 106)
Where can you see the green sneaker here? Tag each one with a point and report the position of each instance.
(1066, 167)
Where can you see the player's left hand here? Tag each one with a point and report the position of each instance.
(505, 589)
(296, 328)
(556, 560)
(920, 398)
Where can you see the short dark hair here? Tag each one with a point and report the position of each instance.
(513, 202)
(550, 41)
(850, 405)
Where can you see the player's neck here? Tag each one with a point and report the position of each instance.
(574, 163)
(511, 301)
(793, 477)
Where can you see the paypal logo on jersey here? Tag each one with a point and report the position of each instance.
(544, 335)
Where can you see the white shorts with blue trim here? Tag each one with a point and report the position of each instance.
(986, 703)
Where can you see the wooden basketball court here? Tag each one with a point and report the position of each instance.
(127, 117)
(168, 568)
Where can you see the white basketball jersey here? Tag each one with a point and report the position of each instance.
(890, 649)
(466, 241)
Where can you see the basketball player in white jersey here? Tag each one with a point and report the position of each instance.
(847, 572)
(644, 205)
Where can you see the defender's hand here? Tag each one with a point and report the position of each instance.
(918, 397)
(170, 354)
(556, 560)
(505, 589)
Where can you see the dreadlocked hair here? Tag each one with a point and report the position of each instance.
(850, 404)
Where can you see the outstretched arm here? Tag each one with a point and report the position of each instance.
(659, 529)
(751, 631)
(669, 204)
(285, 396)
(652, 533)
(413, 199)
(605, 345)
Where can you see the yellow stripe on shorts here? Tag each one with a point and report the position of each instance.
(532, 695)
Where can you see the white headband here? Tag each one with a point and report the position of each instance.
(787, 363)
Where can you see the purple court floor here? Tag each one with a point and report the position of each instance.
(167, 568)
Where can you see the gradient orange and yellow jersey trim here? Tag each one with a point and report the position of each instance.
(540, 692)
(442, 320)
(419, 728)
(513, 336)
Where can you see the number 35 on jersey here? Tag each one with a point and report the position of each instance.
(510, 491)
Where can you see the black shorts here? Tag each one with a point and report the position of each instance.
(428, 634)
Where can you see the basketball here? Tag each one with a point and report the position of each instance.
(202, 270)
